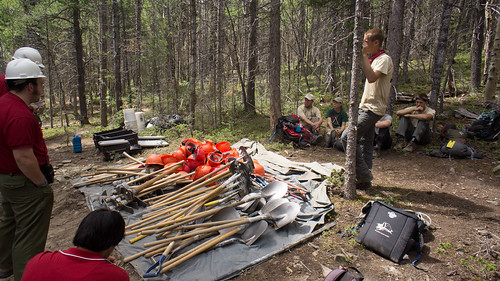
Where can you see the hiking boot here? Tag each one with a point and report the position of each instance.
(316, 138)
(376, 152)
(364, 185)
(328, 141)
(412, 146)
(399, 144)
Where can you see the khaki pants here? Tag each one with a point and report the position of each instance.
(25, 221)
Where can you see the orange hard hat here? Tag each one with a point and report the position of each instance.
(207, 147)
(190, 147)
(179, 155)
(201, 171)
(167, 158)
(215, 158)
(223, 146)
(193, 140)
(176, 170)
(154, 159)
(258, 169)
(230, 155)
(192, 164)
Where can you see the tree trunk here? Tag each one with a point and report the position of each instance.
(192, 94)
(219, 60)
(103, 80)
(477, 45)
(117, 58)
(350, 158)
(79, 65)
(439, 54)
(138, 39)
(49, 74)
(252, 56)
(395, 47)
(490, 16)
(491, 83)
(408, 39)
(274, 62)
(461, 26)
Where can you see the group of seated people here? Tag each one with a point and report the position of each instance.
(414, 128)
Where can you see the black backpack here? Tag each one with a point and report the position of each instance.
(486, 126)
(391, 232)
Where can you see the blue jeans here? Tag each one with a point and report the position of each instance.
(364, 145)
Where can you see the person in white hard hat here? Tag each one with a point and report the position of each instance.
(25, 171)
(22, 53)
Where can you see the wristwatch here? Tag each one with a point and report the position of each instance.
(43, 184)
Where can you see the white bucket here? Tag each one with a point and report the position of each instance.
(131, 125)
(141, 122)
(129, 115)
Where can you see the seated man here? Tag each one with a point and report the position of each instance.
(310, 117)
(415, 124)
(336, 122)
(96, 237)
(383, 139)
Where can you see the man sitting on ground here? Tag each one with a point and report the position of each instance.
(336, 122)
(310, 117)
(96, 237)
(383, 139)
(415, 125)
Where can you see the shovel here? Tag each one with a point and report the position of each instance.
(279, 211)
(251, 233)
(273, 190)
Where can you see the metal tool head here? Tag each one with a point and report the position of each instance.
(284, 214)
(274, 190)
(254, 231)
(227, 213)
(273, 204)
(256, 205)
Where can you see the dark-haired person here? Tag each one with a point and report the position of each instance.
(336, 119)
(25, 171)
(415, 123)
(378, 69)
(98, 234)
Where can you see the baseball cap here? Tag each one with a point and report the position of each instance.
(309, 97)
(338, 99)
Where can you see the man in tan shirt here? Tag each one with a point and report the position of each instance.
(378, 69)
(310, 118)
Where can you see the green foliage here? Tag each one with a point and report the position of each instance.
(336, 179)
(479, 264)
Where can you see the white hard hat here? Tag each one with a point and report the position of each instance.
(29, 53)
(22, 69)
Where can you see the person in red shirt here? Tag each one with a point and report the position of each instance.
(98, 234)
(25, 171)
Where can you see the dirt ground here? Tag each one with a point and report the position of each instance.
(461, 196)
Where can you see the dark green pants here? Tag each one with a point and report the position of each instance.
(25, 221)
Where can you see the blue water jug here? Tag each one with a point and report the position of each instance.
(77, 144)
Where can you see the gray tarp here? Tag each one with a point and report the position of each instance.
(230, 260)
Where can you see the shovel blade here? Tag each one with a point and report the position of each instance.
(254, 231)
(284, 214)
(274, 190)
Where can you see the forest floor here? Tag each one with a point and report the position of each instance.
(461, 197)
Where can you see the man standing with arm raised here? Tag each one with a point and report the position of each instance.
(378, 69)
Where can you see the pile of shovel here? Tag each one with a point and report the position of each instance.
(224, 206)
(219, 216)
